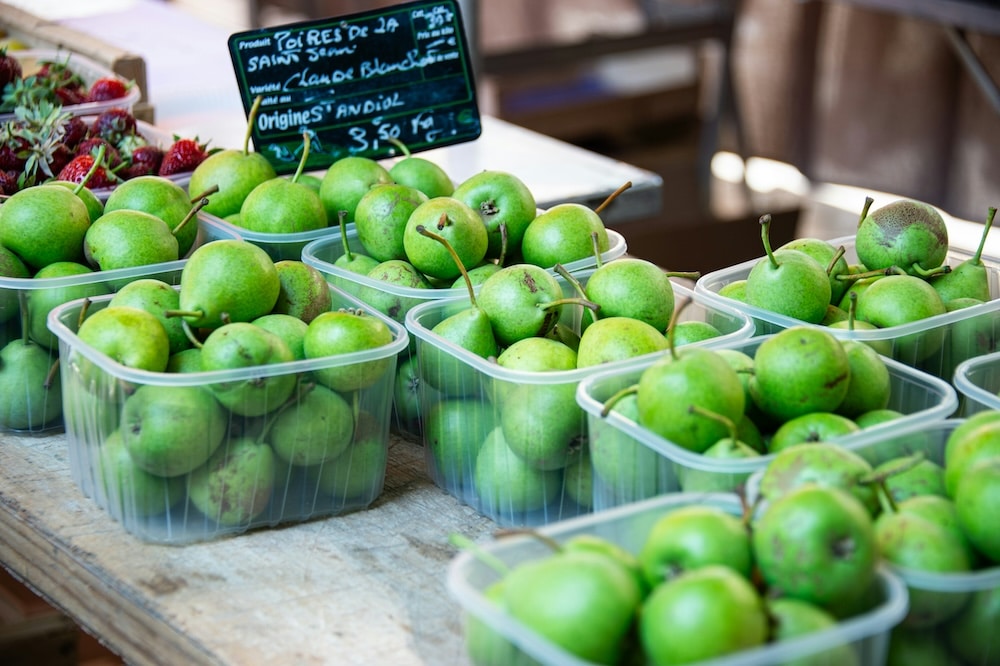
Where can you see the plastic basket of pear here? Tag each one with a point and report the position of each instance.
(498, 376)
(272, 407)
(51, 253)
(706, 419)
(934, 491)
(676, 580)
(977, 381)
(898, 285)
(382, 259)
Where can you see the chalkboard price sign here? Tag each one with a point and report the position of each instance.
(355, 82)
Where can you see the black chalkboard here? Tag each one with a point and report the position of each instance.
(355, 81)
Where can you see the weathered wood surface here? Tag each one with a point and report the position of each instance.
(361, 588)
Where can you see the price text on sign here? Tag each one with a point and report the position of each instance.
(355, 82)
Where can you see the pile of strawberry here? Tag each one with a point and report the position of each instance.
(54, 82)
(46, 142)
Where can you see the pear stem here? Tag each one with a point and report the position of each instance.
(490, 560)
(191, 214)
(22, 303)
(341, 217)
(570, 301)
(534, 534)
(251, 117)
(306, 140)
(940, 270)
(503, 244)
(837, 256)
(210, 191)
(689, 275)
(977, 258)
(614, 195)
(674, 318)
(184, 313)
(852, 310)
(715, 416)
(424, 231)
(569, 277)
(765, 237)
(864, 210)
(403, 148)
(50, 376)
(595, 242)
(189, 334)
(610, 403)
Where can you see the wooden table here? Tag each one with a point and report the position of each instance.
(362, 588)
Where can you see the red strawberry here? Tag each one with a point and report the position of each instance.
(107, 88)
(10, 68)
(77, 170)
(145, 161)
(75, 130)
(60, 157)
(183, 155)
(89, 146)
(113, 124)
(68, 96)
(13, 153)
(8, 182)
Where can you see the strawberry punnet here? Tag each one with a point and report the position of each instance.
(183, 155)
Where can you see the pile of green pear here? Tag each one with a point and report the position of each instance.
(933, 498)
(56, 239)
(901, 277)
(719, 406)
(498, 373)
(695, 581)
(242, 407)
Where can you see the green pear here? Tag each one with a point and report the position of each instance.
(186, 360)
(454, 432)
(578, 481)
(303, 291)
(701, 480)
(507, 486)
(971, 633)
(870, 385)
(289, 328)
(505, 205)
(670, 387)
(626, 470)
(563, 234)
(43, 225)
(235, 486)
(693, 330)
(346, 181)
(895, 300)
(543, 424)
(342, 332)
(94, 204)
(397, 273)
(420, 174)
(977, 502)
(611, 339)
(231, 174)
(10, 267)
(532, 354)
(829, 257)
(794, 618)
(522, 300)
(924, 478)
(969, 279)
(355, 476)
(852, 323)
(316, 428)
(243, 345)
(811, 427)
(799, 370)
(406, 395)
(128, 335)
(633, 287)
(736, 290)
(818, 463)
(130, 491)
(156, 297)
(452, 220)
(64, 285)
(159, 196)
(227, 280)
(126, 238)
(380, 219)
(284, 205)
(30, 393)
(170, 430)
(905, 233)
(788, 282)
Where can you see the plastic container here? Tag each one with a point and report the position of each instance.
(86, 69)
(658, 465)
(977, 381)
(938, 600)
(102, 397)
(47, 293)
(281, 246)
(867, 633)
(935, 345)
(537, 409)
(395, 301)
